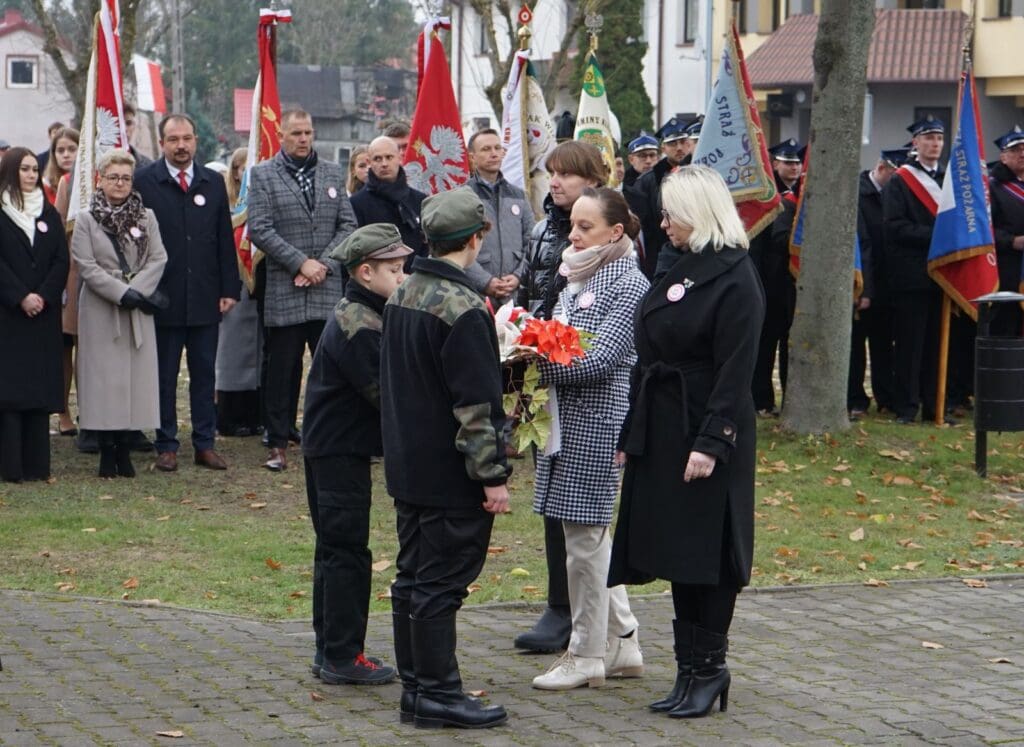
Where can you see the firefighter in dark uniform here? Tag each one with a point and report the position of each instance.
(909, 204)
(770, 252)
(873, 320)
(1007, 188)
(678, 141)
(444, 456)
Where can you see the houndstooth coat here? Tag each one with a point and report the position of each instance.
(283, 228)
(580, 483)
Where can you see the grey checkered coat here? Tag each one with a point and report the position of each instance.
(580, 482)
(282, 226)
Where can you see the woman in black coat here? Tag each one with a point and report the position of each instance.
(33, 270)
(687, 509)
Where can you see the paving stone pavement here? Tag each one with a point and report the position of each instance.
(814, 666)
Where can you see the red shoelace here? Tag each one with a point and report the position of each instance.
(362, 661)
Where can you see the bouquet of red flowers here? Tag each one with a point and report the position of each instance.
(524, 338)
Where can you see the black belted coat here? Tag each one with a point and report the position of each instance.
(696, 340)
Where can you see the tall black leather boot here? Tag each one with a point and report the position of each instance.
(404, 659)
(123, 453)
(551, 632)
(108, 457)
(440, 701)
(710, 679)
(683, 633)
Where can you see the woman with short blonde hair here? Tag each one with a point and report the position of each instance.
(689, 441)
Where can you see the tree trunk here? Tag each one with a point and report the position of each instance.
(819, 351)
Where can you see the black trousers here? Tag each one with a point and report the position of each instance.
(879, 321)
(1006, 321)
(554, 550)
(706, 606)
(238, 409)
(441, 552)
(856, 397)
(917, 317)
(960, 378)
(338, 490)
(24, 445)
(778, 318)
(285, 347)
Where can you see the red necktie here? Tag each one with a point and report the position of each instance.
(182, 181)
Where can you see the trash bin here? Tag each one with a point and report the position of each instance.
(998, 379)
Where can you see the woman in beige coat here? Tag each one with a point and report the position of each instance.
(117, 366)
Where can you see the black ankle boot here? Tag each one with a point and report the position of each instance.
(108, 455)
(123, 454)
(550, 633)
(683, 632)
(710, 678)
(404, 660)
(440, 701)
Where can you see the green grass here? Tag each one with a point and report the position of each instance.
(203, 539)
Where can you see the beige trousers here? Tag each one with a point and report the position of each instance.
(597, 611)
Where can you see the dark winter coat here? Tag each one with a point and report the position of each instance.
(871, 222)
(690, 391)
(645, 196)
(31, 377)
(542, 284)
(441, 391)
(1007, 222)
(342, 411)
(908, 234)
(504, 247)
(392, 202)
(195, 227)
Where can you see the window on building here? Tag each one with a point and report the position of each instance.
(343, 157)
(482, 45)
(798, 7)
(922, 4)
(689, 21)
(22, 72)
(1010, 8)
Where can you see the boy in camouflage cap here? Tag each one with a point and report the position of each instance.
(340, 433)
(444, 457)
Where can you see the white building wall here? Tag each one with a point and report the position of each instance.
(681, 77)
(27, 112)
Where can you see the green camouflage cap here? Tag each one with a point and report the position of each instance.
(373, 241)
(449, 216)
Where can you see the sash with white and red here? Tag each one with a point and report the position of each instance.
(925, 189)
(1015, 188)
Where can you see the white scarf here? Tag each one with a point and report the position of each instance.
(585, 263)
(24, 219)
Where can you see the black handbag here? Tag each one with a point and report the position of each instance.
(155, 301)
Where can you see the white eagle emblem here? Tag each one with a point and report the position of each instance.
(108, 130)
(443, 166)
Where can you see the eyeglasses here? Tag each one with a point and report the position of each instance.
(118, 178)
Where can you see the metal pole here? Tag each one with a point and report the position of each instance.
(709, 50)
(177, 59)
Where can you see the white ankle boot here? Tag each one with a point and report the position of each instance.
(570, 672)
(624, 658)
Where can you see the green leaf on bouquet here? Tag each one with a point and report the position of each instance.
(531, 379)
(509, 402)
(539, 398)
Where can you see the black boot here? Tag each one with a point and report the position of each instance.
(440, 701)
(551, 632)
(123, 454)
(683, 632)
(108, 456)
(403, 659)
(710, 678)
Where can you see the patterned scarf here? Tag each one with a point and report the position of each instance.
(126, 222)
(304, 173)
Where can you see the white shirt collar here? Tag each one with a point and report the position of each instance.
(173, 170)
(871, 176)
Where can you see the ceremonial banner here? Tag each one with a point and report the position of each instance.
(962, 257)
(796, 238)
(732, 142)
(150, 95)
(103, 114)
(527, 132)
(436, 159)
(264, 136)
(594, 118)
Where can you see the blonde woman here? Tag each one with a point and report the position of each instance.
(688, 442)
(358, 166)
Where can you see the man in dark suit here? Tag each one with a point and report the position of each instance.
(200, 280)
(298, 213)
(388, 198)
(1007, 188)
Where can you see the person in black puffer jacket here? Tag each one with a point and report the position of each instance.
(573, 166)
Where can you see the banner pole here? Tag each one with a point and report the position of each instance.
(940, 386)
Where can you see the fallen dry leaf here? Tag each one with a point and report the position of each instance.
(287, 486)
(316, 696)
(173, 734)
(297, 594)
(89, 529)
(65, 586)
(163, 518)
(151, 602)
(131, 583)
(529, 589)
(973, 515)
(496, 550)
(473, 588)
(857, 534)
(44, 554)
(1000, 660)
(975, 583)
(891, 454)
(386, 594)
(257, 506)
(519, 572)
(911, 566)
(274, 565)
(381, 565)
(477, 693)
(875, 582)
(841, 468)
(106, 498)
(902, 480)
(202, 508)
(910, 544)
(929, 644)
